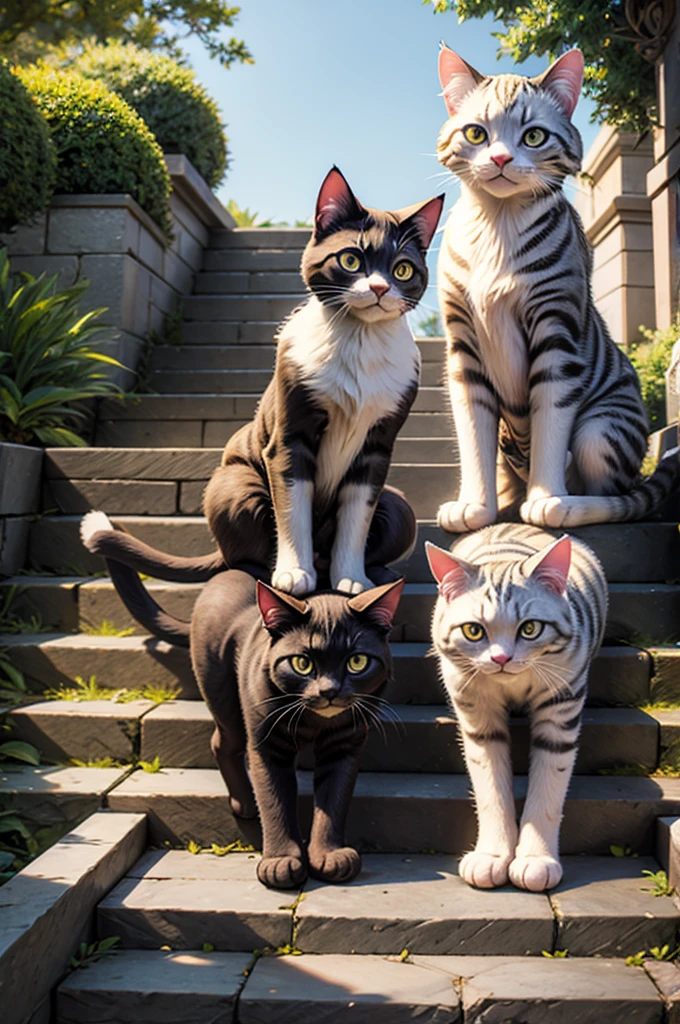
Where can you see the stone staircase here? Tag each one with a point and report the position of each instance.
(408, 940)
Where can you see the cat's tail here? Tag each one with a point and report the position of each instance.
(98, 536)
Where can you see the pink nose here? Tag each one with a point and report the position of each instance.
(379, 288)
(500, 659)
(501, 159)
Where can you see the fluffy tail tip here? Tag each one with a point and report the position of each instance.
(93, 522)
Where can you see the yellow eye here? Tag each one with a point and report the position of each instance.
(303, 665)
(349, 261)
(357, 663)
(534, 137)
(475, 134)
(472, 631)
(531, 629)
(403, 271)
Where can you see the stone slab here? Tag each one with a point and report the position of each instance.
(260, 238)
(650, 611)
(240, 307)
(154, 987)
(14, 540)
(335, 989)
(668, 847)
(266, 282)
(149, 433)
(131, 497)
(178, 733)
(255, 259)
(665, 684)
(46, 909)
(53, 602)
(20, 469)
(130, 464)
(507, 990)
(57, 796)
(62, 730)
(179, 407)
(604, 908)
(669, 736)
(666, 977)
(215, 382)
(421, 904)
(213, 357)
(227, 906)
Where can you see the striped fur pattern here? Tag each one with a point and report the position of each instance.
(518, 619)
(533, 372)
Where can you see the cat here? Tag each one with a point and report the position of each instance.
(278, 672)
(531, 366)
(518, 619)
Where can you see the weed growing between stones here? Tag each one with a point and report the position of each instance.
(660, 884)
(89, 954)
(106, 628)
(559, 954)
(654, 953)
(238, 846)
(622, 851)
(150, 766)
(98, 762)
(85, 690)
(20, 843)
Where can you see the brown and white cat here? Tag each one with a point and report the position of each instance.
(531, 366)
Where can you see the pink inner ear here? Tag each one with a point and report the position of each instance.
(427, 220)
(455, 79)
(384, 610)
(335, 199)
(553, 568)
(272, 609)
(564, 80)
(449, 573)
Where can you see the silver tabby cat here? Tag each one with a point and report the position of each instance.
(531, 365)
(517, 622)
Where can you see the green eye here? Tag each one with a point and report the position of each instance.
(473, 631)
(531, 629)
(349, 261)
(534, 137)
(403, 271)
(475, 134)
(357, 663)
(303, 665)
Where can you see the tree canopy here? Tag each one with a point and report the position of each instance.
(619, 80)
(29, 27)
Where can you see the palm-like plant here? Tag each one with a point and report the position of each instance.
(46, 359)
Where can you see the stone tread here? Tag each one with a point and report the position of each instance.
(202, 988)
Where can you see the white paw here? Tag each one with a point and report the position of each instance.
(295, 580)
(461, 516)
(92, 523)
(350, 581)
(535, 873)
(484, 870)
(555, 512)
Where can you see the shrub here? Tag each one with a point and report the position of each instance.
(46, 361)
(177, 109)
(651, 359)
(27, 156)
(102, 145)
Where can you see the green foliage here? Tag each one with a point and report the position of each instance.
(106, 628)
(13, 624)
(621, 851)
(175, 106)
(19, 844)
(89, 954)
(17, 750)
(651, 359)
(152, 767)
(654, 953)
(430, 326)
(88, 689)
(238, 846)
(660, 884)
(617, 78)
(208, 947)
(27, 158)
(243, 217)
(12, 682)
(102, 145)
(97, 762)
(46, 359)
(559, 954)
(194, 847)
(30, 27)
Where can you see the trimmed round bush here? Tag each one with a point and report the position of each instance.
(103, 146)
(176, 107)
(27, 158)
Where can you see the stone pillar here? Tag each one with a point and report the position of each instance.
(617, 218)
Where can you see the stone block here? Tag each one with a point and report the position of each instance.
(114, 284)
(150, 252)
(20, 472)
(65, 268)
(130, 464)
(665, 684)
(27, 239)
(178, 732)
(99, 602)
(421, 904)
(335, 989)
(134, 497)
(178, 274)
(88, 229)
(57, 797)
(216, 899)
(156, 986)
(191, 497)
(668, 848)
(604, 908)
(52, 601)
(666, 977)
(218, 432)
(255, 259)
(62, 730)
(14, 536)
(188, 219)
(47, 908)
(149, 433)
(239, 307)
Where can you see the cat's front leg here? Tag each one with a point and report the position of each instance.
(474, 404)
(282, 865)
(337, 754)
(554, 744)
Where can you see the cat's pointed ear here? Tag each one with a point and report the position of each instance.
(278, 609)
(424, 217)
(379, 604)
(550, 565)
(452, 574)
(457, 78)
(563, 80)
(336, 204)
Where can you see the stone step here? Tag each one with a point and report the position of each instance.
(629, 552)
(242, 308)
(419, 738)
(418, 903)
(405, 813)
(56, 798)
(331, 989)
(620, 676)
(260, 238)
(257, 260)
(245, 282)
(229, 332)
(199, 380)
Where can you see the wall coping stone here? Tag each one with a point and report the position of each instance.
(188, 184)
(628, 206)
(610, 144)
(115, 200)
(661, 173)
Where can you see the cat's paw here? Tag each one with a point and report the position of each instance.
(484, 870)
(535, 873)
(281, 872)
(554, 512)
(462, 517)
(350, 581)
(337, 866)
(294, 580)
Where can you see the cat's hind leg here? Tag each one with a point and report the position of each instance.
(239, 511)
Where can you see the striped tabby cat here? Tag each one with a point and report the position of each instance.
(517, 622)
(531, 365)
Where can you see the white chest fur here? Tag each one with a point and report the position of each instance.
(359, 372)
